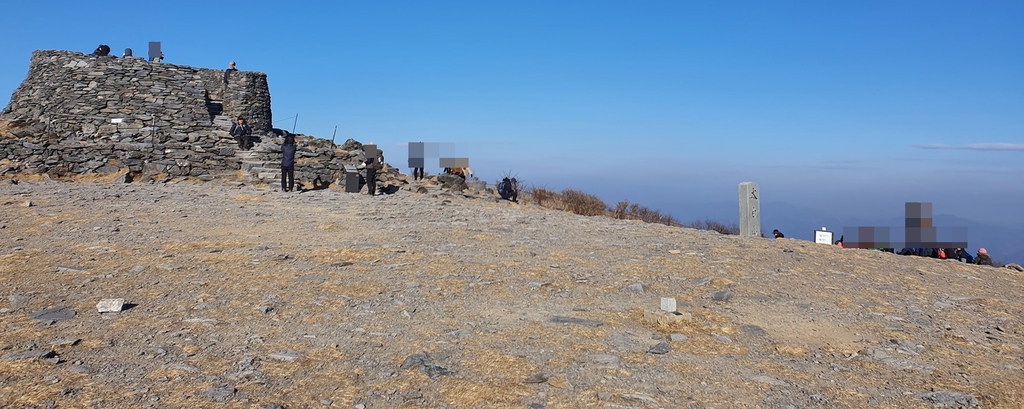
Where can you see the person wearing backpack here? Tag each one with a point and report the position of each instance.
(241, 131)
(288, 163)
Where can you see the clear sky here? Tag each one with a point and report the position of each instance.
(854, 107)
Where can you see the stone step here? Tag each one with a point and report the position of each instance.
(223, 120)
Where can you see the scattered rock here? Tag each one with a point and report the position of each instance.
(53, 314)
(287, 356)
(31, 354)
(678, 337)
(69, 270)
(659, 318)
(769, 380)
(907, 347)
(110, 305)
(605, 361)
(426, 364)
(951, 399)
(752, 330)
(18, 301)
(636, 288)
(723, 296)
(537, 378)
(219, 393)
(65, 342)
(662, 348)
(580, 321)
(638, 398)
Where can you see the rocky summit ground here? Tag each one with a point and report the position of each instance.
(240, 296)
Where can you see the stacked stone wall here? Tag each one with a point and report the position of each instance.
(82, 114)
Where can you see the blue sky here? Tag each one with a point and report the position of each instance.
(854, 108)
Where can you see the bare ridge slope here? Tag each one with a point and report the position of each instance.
(242, 297)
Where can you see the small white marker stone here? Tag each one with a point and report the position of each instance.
(668, 304)
(110, 305)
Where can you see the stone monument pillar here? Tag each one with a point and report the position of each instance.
(750, 210)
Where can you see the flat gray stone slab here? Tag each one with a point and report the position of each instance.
(605, 361)
(722, 296)
(769, 380)
(33, 354)
(53, 314)
(110, 305)
(661, 348)
(287, 356)
(752, 330)
(537, 378)
(678, 337)
(305, 279)
(69, 270)
(18, 301)
(579, 321)
(426, 364)
(219, 393)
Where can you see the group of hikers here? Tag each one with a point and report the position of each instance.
(242, 133)
(103, 50)
(959, 254)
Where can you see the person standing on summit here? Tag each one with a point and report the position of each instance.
(241, 131)
(227, 72)
(288, 163)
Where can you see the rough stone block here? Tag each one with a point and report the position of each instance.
(110, 305)
(668, 304)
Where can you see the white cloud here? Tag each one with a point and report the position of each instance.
(976, 147)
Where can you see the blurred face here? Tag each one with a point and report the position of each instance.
(240, 121)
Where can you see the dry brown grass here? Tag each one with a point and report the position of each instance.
(582, 203)
(708, 224)
(625, 210)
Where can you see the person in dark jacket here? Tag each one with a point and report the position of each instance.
(288, 163)
(103, 50)
(963, 255)
(982, 259)
(241, 131)
(778, 234)
(371, 166)
(227, 72)
(507, 190)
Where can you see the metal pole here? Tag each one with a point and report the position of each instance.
(335, 133)
(296, 122)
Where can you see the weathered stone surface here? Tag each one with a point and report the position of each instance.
(580, 321)
(53, 314)
(110, 305)
(750, 209)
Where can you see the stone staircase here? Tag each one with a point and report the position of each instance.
(247, 160)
